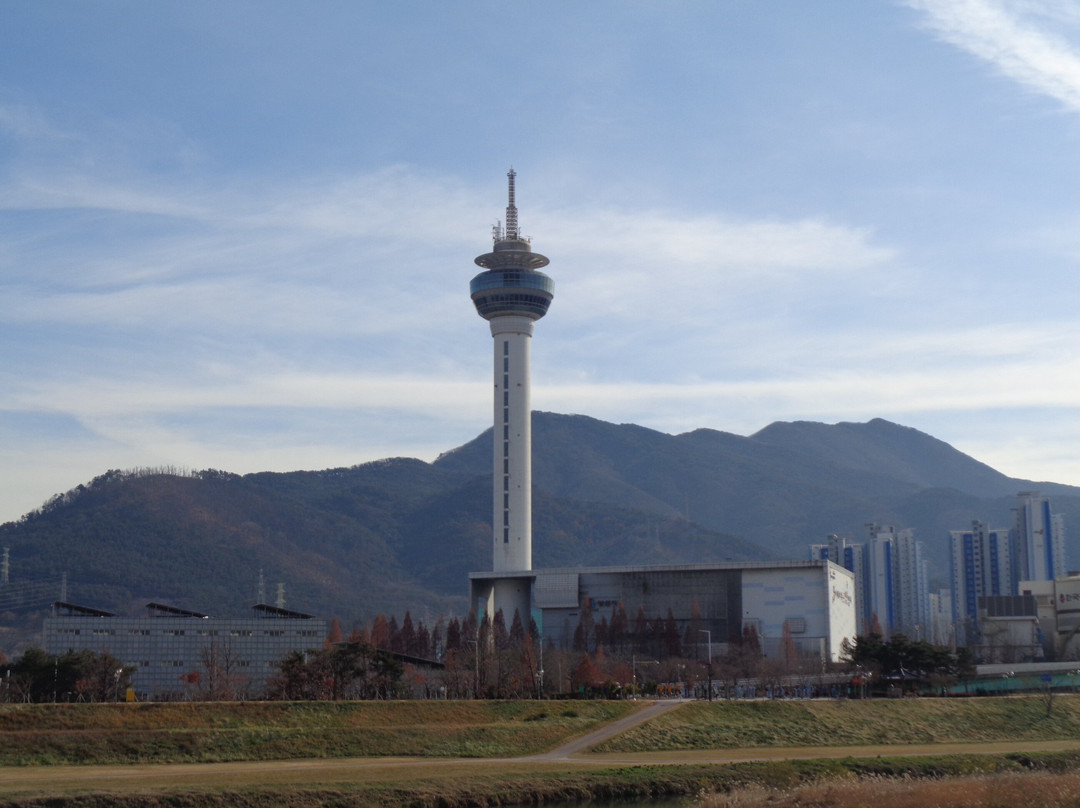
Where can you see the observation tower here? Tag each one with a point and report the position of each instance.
(511, 294)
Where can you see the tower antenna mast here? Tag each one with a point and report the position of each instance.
(511, 208)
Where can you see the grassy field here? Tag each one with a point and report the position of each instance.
(492, 783)
(206, 732)
(730, 725)
(301, 753)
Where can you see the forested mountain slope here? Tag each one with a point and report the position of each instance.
(402, 534)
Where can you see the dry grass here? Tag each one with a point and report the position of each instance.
(761, 724)
(204, 732)
(1035, 790)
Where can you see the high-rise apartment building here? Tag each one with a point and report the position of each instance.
(981, 565)
(943, 626)
(880, 558)
(911, 589)
(1038, 539)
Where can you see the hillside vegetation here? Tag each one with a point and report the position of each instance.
(402, 534)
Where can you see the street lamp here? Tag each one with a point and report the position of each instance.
(633, 668)
(708, 637)
(540, 672)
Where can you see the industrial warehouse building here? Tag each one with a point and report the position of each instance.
(177, 652)
(809, 604)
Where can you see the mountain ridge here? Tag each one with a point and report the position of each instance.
(400, 533)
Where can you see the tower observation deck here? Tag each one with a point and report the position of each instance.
(511, 294)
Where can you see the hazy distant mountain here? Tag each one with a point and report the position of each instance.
(402, 534)
(881, 447)
(782, 488)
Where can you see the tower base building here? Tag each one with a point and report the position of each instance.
(806, 607)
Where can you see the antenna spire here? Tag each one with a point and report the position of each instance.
(511, 209)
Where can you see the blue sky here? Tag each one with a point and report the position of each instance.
(239, 235)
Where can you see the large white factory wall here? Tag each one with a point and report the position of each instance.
(821, 600)
(843, 617)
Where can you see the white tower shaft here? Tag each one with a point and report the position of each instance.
(512, 512)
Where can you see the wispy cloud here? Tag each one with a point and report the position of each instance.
(1037, 44)
(27, 124)
(374, 248)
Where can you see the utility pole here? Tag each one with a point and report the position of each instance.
(708, 636)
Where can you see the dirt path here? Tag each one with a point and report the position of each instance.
(596, 737)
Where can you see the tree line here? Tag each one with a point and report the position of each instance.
(74, 676)
(486, 658)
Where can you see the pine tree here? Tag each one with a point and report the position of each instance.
(335, 631)
(380, 632)
(453, 635)
(517, 631)
(407, 638)
(498, 631)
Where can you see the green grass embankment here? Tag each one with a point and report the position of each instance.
(752, 724)
(517, 786)
(44, 734)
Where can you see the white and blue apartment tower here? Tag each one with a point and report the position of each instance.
(982, 564)
(1038, 539)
